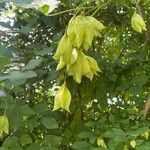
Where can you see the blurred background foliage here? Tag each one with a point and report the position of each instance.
(108, 108)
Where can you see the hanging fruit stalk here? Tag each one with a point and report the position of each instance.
(79, 36)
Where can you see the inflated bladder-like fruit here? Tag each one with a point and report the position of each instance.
(4, 125)
(138, 23)
(62, 98)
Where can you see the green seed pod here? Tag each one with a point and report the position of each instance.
(88, 38)
(81, 31)
(75, 69)
(80, 27)
(101, 142)
(4, 125)
(97, 24)
(86, 68)
(138, 23)
(93, 64)
(62, 98)
(61, 64)
(71, 31)
(74, 56)
(64, 49)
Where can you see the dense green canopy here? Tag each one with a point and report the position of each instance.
(104, 108)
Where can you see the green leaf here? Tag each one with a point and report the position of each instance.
(90, 124)
(24, 110)
(45, 51)
(51, 141)
(115, 145)
(40, 108)
(32, 64)
(17, 77)
(4, 61)
(32, 123)
(11, 143)
(100, 148)
(5, 51)
(16, 115)
(26, 29)
(87, 135)
(52, 75)
(124, 3)
(116, 134)
(136, 90)
(25, 139)
(34, 146)
(81, 145)
(140, 79)
(144, 146)
(138, 131)
(49, 123)
(15, 119)
(45, 9)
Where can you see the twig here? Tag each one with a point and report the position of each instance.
(147, 32)
(147, 103)
(109, 1)
(69, 10)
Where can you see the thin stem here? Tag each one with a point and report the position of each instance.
(69, 10)
(6, 103)
(80, 7)
(62, 12)
(109, 1)
(90, 11)
(138, 8)
(73, 9)
(6, 106)
(147, 103)
(96, 10)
